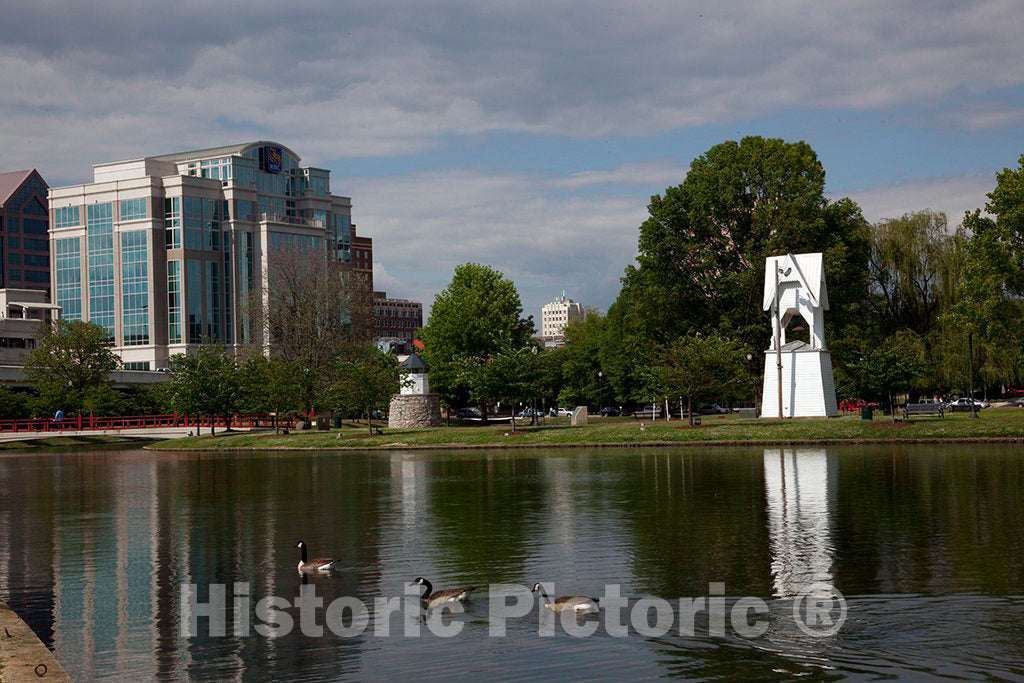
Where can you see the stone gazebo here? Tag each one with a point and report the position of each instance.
(415, 406)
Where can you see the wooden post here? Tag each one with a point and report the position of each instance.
(778, 336)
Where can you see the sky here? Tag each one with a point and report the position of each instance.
(527, 135)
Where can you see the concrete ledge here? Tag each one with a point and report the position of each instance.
(23, 657)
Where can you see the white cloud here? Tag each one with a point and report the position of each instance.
(425, 224)
(90, 81)
(952, 196)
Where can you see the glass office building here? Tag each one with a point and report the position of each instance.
(164, 251)
(24, 249)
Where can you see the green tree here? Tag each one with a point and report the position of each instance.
(701, 252)
(584, 340)
(891, 368)
(697, 366)
(915, 267)
(271, 385)
(206, 384)
(367, 378)
(71, 365)
(14, 405)
(310, 309)
(478, 316)
(992, 289)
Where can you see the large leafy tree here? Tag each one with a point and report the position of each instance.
(206, 384)
(915, 266)
(71, 365)
(477, 317)
(701, 252)
(309, 311)
(992, 289)
(366, 379)
(271, 385)
(698, 366)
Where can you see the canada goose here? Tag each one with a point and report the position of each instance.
(567, 603)
(432, 598)
(317, 564)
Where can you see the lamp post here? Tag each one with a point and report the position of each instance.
(600, 393)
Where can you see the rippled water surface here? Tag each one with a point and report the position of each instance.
(925, 543)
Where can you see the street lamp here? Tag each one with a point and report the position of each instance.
(600, 393)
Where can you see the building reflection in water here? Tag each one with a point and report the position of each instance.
(800, 488)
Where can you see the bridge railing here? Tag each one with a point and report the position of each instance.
(120, 422)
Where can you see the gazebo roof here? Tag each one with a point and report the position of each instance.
(414, 363)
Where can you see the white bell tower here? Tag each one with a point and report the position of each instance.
(795, 286)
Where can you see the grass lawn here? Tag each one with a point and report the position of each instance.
(994, 423)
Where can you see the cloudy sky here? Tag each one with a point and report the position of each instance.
(528, 135)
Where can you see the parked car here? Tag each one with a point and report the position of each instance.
(714, 409)
(560, 412)
(529, 412)
(964, 403)
(1019, 402)
(469, 414)
(610, 411)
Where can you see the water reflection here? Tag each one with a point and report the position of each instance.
(95, 546)
(800, 488)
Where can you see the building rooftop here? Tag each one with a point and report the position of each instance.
(227, 150)
(9, 182)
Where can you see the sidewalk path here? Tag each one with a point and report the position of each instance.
(23, 657)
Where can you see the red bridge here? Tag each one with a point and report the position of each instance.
(91, 423)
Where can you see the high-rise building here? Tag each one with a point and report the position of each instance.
(396, 320)
(555, 316)
(164, 251)
(362, 259)
(24, 223)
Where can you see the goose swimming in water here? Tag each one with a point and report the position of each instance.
(317, 564)
(432, 598)
(567, 603)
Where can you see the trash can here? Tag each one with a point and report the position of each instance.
(865, 412)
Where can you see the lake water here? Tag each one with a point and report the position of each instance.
(919, 549)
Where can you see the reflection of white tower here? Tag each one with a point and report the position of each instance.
(794, 286)
(799, 495)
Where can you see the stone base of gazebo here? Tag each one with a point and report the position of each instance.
(414, 410)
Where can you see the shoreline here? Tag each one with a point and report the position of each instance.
(23, 657)
(608, 444)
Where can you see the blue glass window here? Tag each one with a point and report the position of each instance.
(194, 296)
(14, 258)
(66, 217)
(100, 222)
(172, 222)
(133, 209)
(37, 276)
(212, 301)
(37, 245)
(229, 332)
(36, 227)
(69, 277)
(174, 302)
(134, 288)
(193, 219)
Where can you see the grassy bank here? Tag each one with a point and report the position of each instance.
(78, 441)
(994, 423)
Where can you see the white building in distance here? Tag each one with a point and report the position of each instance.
(164, 251)
(555, 316)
